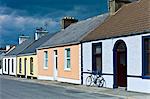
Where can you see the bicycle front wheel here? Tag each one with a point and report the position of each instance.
(100, 82)
(88, 81)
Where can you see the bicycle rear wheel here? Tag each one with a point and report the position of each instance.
(88, 81)
(100, 82)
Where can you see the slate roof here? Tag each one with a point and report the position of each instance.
(2, 51)
(131, 19)
(31, 49)
(74, 32)
(20, 47)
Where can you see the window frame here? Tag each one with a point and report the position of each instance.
(45, 60)
(67, 58)
(94, 55)
(31, 65)
(144, 76)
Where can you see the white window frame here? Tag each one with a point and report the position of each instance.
(45, 60)
(66, 58)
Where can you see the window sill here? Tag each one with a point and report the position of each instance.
(146, 77)
(45, 67)
(67, 69)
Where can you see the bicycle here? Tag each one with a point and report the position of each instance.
(95, 79)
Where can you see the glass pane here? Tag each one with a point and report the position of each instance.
(68, 63)
(0, 64)
(98, 64)
(98, 50)
(31, 65)
(148, 64)
(46, 63)
(147, 44)
(55, 51)
(20, 65)
(68, 52)
(122, 59)
(12, 65)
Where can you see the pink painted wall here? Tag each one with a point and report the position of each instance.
(62, 73)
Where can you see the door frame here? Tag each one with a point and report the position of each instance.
(115, 66)
(55, 69)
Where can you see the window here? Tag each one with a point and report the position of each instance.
(0, 64)
(5, 65)
(67, 59)
(12, 67)
(25, 65)
(8, 65)
(97, 57)
(20, 65)
(45, 59)
(56, 58)
(146, 57)
(31, 66)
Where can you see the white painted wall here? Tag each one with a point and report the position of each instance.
(10, 68)
(134, 61)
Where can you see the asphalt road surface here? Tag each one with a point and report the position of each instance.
(12, 89)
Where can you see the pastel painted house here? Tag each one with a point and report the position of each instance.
(120, 48)
(10, 58)
(7, 49)
(2, 53)
(60, 57)
(27, 65)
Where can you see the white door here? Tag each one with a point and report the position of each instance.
(55, 64)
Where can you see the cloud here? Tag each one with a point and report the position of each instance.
(23, 16)
(13, 26)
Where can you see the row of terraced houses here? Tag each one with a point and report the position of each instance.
(116, 44)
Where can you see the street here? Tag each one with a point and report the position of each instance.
(13, 89)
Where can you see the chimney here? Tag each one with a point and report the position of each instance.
(22, 38)
(66, 21)
(114, 5)
(8, 47)
(40, 32)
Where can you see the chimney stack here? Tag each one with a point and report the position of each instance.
(66, 21)
(8, 47)
(40, 32)
(114, 5)
(23, 38)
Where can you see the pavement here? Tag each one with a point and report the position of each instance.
(89, 92)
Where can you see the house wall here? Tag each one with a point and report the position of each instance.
(35, 65)
(10, 65)
(72, 76)
(1, 63)
(134, 62)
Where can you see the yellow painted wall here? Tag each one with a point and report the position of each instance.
(35, 66)
(62, 73)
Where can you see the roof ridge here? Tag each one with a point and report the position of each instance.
(90, 18)
(107, 18)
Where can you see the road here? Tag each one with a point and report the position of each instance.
(13, 89)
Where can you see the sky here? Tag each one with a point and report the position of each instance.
(22, 17)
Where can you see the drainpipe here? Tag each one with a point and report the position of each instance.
(81, 64)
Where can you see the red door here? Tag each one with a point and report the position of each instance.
(121, 69)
